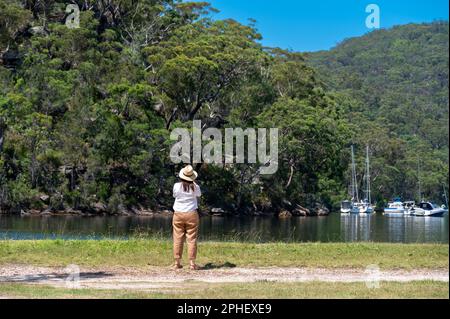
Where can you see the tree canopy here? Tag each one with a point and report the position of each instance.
(394, 84)
(86, 113)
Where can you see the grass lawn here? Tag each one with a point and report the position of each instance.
(140, 253)
(316, 290)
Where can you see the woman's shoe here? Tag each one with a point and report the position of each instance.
(194, 267)
(177, 266)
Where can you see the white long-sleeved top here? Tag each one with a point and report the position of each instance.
(185, 202)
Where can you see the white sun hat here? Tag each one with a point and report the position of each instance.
(188, 174)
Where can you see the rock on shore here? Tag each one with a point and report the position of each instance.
(318, 210)
(101, 209)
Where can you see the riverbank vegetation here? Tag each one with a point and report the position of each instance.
(144, 253)
(314, 290)
(397, 84)
(86, 113)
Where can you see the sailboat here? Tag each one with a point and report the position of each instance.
(355, 206)
(351, 206)
(366, 204)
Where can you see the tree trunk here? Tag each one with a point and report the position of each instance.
(171, 118)
(290, 176)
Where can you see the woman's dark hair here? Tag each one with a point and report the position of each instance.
(187, 186)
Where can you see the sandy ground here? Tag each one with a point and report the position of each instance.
(164, 277)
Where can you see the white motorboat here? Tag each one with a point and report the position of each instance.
(425, 209)
(395, 208)
(399, 208)
(409, 206)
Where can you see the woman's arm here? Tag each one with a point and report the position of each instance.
(176, 190)
(197, 191)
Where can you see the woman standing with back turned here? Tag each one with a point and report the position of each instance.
(185, 218)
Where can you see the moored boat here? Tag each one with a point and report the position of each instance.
(350, 206)
(428, 209)
(355, 206)
(399, 208)
(346, 206)
(366, 206)
(409, 206)
(395, 208)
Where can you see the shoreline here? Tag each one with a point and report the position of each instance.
(216, 212)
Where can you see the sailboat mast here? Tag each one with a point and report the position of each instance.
(354, 184)
(353, 179)
(445, 195)
(368, 174)
(418, 179)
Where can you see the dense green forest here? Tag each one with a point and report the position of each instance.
(397, 84)
(86, 113)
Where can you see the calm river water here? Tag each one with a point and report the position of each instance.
(333, 228)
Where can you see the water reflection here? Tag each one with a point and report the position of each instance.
(334, 228)
(394, 229)
(356, 227)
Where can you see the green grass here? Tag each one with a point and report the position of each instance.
(317, 290)
(139, 253)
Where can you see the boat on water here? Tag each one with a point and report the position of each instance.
(355, 206)
(351, 206)
(425, 209)
(395, 208)
(366, 207)
(409, 206)
(399, 208)
(346, 206)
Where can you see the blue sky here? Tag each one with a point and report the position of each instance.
(320, 24)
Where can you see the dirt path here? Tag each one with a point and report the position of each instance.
(163, 277)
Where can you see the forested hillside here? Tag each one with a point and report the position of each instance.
(86, 113)
(395, 84)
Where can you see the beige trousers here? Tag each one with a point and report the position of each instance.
(185, 226)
